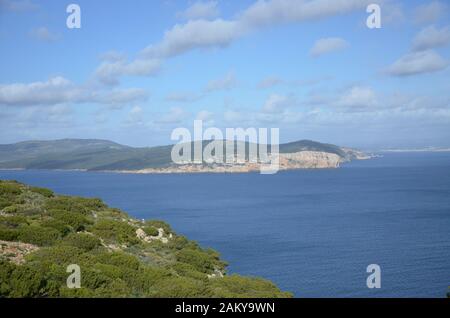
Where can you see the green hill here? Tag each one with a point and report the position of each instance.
(41, 233)
(91, 154)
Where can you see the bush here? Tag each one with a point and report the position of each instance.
(201, 261)
(58, 225)
(8, 234)
(58, 255)
(12, 221)
(74, 204)
(9, 193)
(159, 224)
(38, 235)
(117, 231)
(151, 231)
(42, 191)
(82, 241)
(76, 220)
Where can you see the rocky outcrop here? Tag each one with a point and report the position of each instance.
(16, 251)
(287, 161)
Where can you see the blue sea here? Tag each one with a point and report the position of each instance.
(312, 232)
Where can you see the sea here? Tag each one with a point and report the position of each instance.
(312, 232)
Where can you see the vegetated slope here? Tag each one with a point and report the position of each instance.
(42, 233)
(101, 155)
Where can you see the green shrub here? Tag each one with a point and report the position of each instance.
(201, 261)
(42, 191)
(12, 221)
(37, 235)
(83, 241)
(74, 204)
(58, 225)
(77, 221)
(117, 231)
(151, 231)
(58, 255)
(159, 224)
(119, 259)
(8, 234)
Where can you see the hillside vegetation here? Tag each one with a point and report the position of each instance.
(41, 233)
(103, 155)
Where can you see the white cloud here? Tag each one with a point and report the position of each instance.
(263, 13)
(417, 63)
(108, 72)
(200, 10)
(358, 97)
(196, 34)
(328, 45)
(44, 34)
(193, 35)
(59, 90)
(135, 116)
(224, 83)
(430, 12)
(431, 37)
(276, 103)
(112, 56)
(174, 116)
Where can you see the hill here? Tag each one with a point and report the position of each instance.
(41, 233)
(103, 155)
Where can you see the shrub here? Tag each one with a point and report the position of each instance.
(119, 259)
(74, 204)
(151, 231)
(113, 230)
(12, 221)
(58, 225)
(38, 235)
(42, 191)
(76, 220)
(201, 261)
(159, 224)
(82, 241)
(8, 234)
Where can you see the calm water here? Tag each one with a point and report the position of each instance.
(312, 232)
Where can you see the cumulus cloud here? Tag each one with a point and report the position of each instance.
(44, 34)
(59, 90)
(197, 34)
(417, 63)
(200, 10)
(109, 71)
(431, 37)
(193, 35)
(200, 33)
(328, 45)
(276, 103)
(358, 97)
(135, 116)
(430, 12)
(264, 13)
(226, 82)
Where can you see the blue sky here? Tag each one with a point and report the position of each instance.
(136, 70)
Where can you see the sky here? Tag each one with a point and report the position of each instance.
(136, 70)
